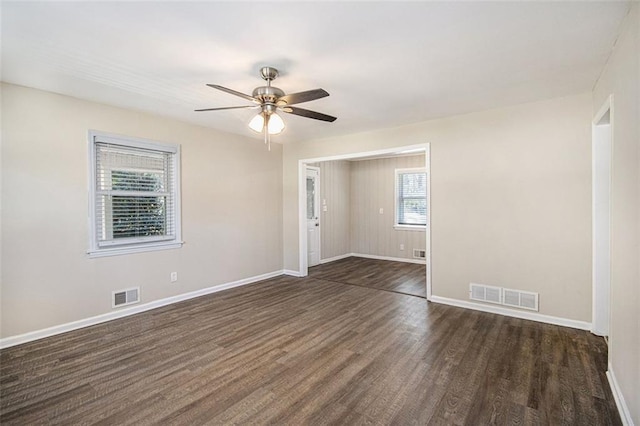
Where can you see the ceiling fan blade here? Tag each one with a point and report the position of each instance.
(233, 107)
(233, 92)
(300, 97)
(309, 114)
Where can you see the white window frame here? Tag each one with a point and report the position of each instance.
(132, 245)
(406, 227)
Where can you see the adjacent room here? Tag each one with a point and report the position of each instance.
(320, 212)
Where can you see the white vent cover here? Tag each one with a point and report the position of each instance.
(485, 293)
(125, 297)
(520, 299)
(419, 254)
(504, 296)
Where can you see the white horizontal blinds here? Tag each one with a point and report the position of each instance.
(135, 197)
(412, 198)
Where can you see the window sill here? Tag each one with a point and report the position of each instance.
(117, 251)
(421, 228)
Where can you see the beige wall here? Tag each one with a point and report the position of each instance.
(335, 195)
(510, 199)
(231, 211)
(373, 188)
(621, 78)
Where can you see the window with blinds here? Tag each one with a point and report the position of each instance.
(411, 197)
(135, 201)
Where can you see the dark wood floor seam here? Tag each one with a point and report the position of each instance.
(373, 288)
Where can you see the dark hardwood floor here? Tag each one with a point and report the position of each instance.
(292, 351)
(405, 278)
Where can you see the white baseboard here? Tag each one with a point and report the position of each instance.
(292, 273)
(333, 259)
(533, 316)
(623, 409)
(395, 259)
(372, 256)
(125, 312)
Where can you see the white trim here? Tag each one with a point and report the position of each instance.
(302, 231)
(398, 150)
(303, 259)
(394, 259)
(606, 106)
(125, 312)
(134, 249)
(291, 273)
(623, 409)
(419, 228)
(334, 258)
(598, 328)
(427, 168)
(129, 141)
(318, 207)
(548, 319)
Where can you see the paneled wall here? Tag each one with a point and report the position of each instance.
(353, 192)
(373, 191)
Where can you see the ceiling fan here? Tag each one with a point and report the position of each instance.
(270, 99)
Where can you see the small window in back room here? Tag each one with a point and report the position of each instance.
(411, 198)
(135, 202)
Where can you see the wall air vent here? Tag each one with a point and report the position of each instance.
(504, 296)
(520, 299)
(125, 297)
(485, 293)
(419, 254)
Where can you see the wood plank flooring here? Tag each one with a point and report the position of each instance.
(293, 351)
(399, 277)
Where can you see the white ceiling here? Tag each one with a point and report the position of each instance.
(384, 63)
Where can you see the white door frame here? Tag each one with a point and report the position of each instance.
(601, 262)
(302, 193)
(319, 210)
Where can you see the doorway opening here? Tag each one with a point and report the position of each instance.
(306, 258)
(602, 139)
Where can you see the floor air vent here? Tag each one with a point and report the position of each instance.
(419, 254)
(125, 297)
(485, 293)
(520, 299)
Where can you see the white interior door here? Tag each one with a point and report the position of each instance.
(313, 221)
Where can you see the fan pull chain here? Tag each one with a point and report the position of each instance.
(267, 137)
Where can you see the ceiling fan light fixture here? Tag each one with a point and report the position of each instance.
(276, 124)
(257, 123)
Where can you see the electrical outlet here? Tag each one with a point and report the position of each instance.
(174, 277)
(324, 208)
(401, 246)
(381, 210)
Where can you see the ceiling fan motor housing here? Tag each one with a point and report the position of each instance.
(267, 94)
